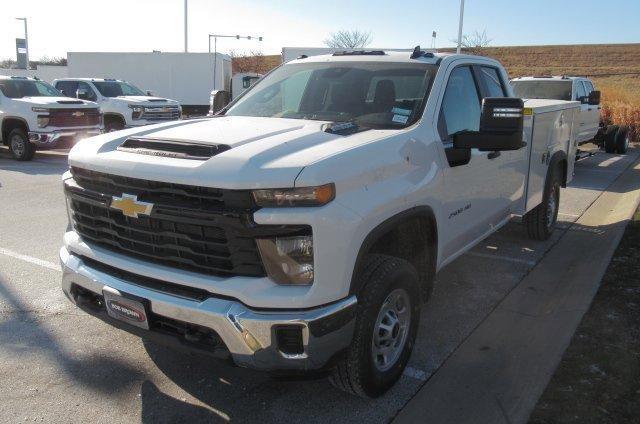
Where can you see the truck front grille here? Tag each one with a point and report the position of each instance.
(65, 118)
(200, 229)
(161, 113)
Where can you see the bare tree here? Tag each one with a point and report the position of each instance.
(348, 39)
(253, 61)
(475, 43)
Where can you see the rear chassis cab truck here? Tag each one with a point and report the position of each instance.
(123, 104)
(34, 115)
(591, 126)
(300, 229)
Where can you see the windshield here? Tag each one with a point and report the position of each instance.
(18, 88)
(372, 94)
(117, 88)
(558, 90)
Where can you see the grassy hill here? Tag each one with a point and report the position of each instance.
(615, 68)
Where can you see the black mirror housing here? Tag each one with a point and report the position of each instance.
(149, 93)
(501, 125)
(82, 94)
(594, 98)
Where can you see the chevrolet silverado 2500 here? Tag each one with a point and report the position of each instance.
(123, 104)
(591, 128)
(300, 228)
(34, 115)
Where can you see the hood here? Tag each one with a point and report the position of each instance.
(147, 100)
(57, 102)
(262, 153)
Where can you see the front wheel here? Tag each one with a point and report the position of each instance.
(610, 138)
(622, 140)
(387, 320)
(541, 220)
(20, 147)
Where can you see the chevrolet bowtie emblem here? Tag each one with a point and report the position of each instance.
(78, 114)
(129, 205)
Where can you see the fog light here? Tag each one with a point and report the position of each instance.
(288, 260)
(43, 121)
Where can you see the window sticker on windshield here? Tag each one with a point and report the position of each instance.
(400, 111)
(400, 119)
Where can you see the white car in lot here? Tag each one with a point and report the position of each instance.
(34, 115)
(613, 138)
(123, 104)
(301, 228)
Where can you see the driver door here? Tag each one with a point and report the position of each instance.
(478, 194)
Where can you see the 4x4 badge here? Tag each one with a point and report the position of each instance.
(130, 206)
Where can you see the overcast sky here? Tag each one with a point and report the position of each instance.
(58, 26)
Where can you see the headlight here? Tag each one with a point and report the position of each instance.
(136, 111)
(301, 196)
(43, 121)
(288, 260)
(40, 109)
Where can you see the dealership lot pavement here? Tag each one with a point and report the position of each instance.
(57, 363)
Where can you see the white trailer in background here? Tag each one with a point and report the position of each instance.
(185, 77)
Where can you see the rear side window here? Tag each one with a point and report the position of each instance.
(460, 104)
(492, 82)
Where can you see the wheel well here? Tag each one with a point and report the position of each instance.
(411, 236)
(10, 124)
(562, 163)
(114, 117)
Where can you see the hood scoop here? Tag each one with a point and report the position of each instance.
(70, 102)
(180, 149)
(157, 100)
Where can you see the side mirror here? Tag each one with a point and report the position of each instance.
(217, 100)
(594, 98)
(501, 124)
(83, 94)
(149, 93)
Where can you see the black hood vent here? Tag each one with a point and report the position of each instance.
(157, 100)
(172, 148)
(70, 102)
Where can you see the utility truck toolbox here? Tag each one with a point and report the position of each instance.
(301, 227)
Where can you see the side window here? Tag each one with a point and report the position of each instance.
(580, 91)
(588, 87)
(84, 86)
(492, 81)
(68, 88)
(460, 104)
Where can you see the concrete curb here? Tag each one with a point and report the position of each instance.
(499, 372)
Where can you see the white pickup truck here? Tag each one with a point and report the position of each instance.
(301, 228)
(123, 104)
(591, 128)
(34, 115)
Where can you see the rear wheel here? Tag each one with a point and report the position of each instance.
(541, 220)
(610, 138)
(386, 327)
(19, 145)
(622, 140)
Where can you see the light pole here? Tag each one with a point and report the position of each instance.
(26, 39)
(186, 26)
(215, 48)
(460, 26)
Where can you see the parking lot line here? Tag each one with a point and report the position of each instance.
(415, 373)
(502, 258)
(30, 259)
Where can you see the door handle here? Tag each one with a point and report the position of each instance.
(493, 155)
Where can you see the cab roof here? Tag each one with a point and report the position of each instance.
(427, 57)
(90, 79)
(550, 77)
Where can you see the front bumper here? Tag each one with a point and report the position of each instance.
(249, 335)
(51, 138)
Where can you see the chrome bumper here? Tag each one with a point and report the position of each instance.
(249, 335)
(50, 139)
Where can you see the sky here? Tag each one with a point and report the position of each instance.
(58, 26)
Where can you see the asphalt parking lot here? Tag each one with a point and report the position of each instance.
(58, 364)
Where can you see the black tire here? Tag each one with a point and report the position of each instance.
(357, 372)
(19, 144)
(622, 140)
(610, 138)
(541, 220)
(113, 124)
